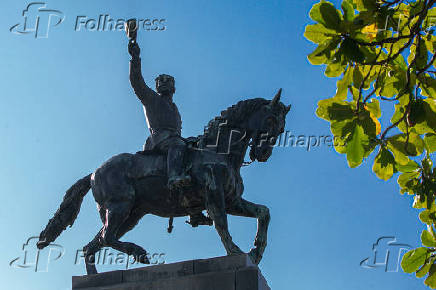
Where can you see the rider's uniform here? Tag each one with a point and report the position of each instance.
(163, 117)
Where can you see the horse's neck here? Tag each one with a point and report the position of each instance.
(228, 140)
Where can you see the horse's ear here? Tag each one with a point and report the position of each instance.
(287, 109)
(276, 98)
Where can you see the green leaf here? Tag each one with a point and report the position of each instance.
(342, 84)
(334, 110)
(390, 88)
(414, 259)
(342, 131)
(409, 167)
(323, 52)
(422, 54)
(374, 108)
(384, 164)
(370, 124)
(351, 50)
(400, 62)
(363, 5)
(430, 142)
(398, 114)
(408, 180)
(397, 144)
(424, 269)
(357, 77)
(428, 86)
(430, 20)
(356, 146)
(424, 116)
(348, 9)
(427, 239)
(341, 115)
(334, 69)
(326, 14)
(317, 33)
(427, 216)
(431, 279)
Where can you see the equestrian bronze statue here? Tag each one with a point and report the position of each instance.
(176, 177)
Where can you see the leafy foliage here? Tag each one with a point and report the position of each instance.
(383, 52)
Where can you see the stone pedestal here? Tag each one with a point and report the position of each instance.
(221, 273)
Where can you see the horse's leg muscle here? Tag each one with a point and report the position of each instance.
(261, 212)
(130, 222)
(215, 206)
(117, 214)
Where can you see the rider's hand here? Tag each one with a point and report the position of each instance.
(134, 49)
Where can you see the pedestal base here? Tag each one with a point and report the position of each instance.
(221, 273)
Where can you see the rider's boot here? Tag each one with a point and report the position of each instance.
(177, 176)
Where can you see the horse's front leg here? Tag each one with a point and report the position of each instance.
(216, 208)
(261, 212)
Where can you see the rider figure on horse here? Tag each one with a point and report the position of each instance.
(163, 119)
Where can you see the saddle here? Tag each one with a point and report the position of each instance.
(191, 142)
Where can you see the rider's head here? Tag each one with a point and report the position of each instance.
(165, 85)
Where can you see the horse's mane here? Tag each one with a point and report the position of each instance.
(235, 114)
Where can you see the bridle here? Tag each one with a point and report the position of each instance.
(250, 144)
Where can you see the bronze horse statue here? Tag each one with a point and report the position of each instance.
(129, 186)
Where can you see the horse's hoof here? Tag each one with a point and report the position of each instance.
(91, 270)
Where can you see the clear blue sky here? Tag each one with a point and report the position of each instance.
(67, 106)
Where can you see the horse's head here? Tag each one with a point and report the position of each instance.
(266, 125)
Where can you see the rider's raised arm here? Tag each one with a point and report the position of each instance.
(142, 91)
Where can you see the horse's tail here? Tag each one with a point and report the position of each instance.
(66, 213)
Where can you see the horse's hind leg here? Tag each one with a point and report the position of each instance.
(90, 249)
(116, 215)
(94, 246)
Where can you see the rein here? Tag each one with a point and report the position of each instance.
(247, 163)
